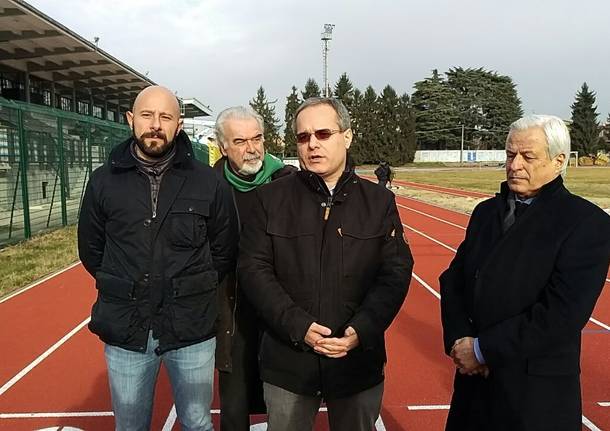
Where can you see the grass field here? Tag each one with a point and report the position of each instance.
(591, 183)
(23, 263)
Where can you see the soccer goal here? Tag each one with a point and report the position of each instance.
(573, 159)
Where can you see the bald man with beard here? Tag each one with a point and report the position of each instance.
(158, 233)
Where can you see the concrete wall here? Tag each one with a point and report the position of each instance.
(453, 156)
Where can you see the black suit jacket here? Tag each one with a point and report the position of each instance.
(526, 294)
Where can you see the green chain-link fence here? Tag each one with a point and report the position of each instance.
(46, 157)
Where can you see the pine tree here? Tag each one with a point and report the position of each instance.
(368, 127)
(585, 129)
(436, 114)
(406, 126)
(388, 131)
(311, 89)
(290, 143)
(487, 103)
(355, 116)
(344, 91)
(273, 143)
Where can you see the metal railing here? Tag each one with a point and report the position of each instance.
(46, 158)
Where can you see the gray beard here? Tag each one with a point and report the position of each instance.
(248, 169)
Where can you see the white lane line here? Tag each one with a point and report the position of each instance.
(446, 191)
(427, 286)
(431, 216)
(42, 357)
(595, 321)
(430, 238)
(604, 404)
(429, 407)
(171, 419)
(54, 415)
(430, 204)
(42, 280)
(586, 422)
(379, 425)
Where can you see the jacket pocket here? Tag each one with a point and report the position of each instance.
(187, 222)
(293, 269)
(114, 316)
(194, 305)
(361, 254)
(561, 365)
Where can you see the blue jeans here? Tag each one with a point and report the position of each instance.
(133, 376)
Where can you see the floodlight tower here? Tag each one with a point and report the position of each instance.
(326, 36)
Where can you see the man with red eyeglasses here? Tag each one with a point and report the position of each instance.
(325, 263)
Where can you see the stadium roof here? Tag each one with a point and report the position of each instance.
(34, 43)
(192, 108)
(30, 41)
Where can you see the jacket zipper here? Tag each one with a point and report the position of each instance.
(329, 203)
(329, 200)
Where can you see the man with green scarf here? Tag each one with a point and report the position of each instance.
(245, 166)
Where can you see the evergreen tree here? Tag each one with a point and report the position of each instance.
(406, 126)
(487, 103)
(355, 115)
(436, 114)
(273, 143)
(311, 89)
(388, 130)
(290, 143)
(368, 127)
(344, 91)
(585, 129)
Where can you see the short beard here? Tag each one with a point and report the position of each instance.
(248, 169)
(157, 151)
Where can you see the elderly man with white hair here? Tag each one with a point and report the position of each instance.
(521, 288)
(245, 166)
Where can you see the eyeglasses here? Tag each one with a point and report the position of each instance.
(321, 135)
(258, 139)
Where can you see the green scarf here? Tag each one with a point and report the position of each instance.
(271, 164)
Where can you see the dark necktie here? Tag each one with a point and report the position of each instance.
(515, 209)
(520, 208)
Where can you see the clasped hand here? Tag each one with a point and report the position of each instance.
(317, 337)
(465, 359)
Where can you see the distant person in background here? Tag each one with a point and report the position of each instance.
(383, 174)
(244, 166)
(520, 290)
(157, 232)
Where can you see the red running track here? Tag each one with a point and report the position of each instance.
(68, 386)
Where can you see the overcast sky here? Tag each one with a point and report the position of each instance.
(220, 52)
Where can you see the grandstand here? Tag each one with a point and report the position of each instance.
(62, 105)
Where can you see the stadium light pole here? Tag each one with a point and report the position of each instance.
(326, 37)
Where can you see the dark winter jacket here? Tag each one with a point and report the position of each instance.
(156, 272)
(526, 294)
(235, 312)
(339, 261)
(383, 172)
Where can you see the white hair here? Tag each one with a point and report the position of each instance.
(556, 133)
(239, 113)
